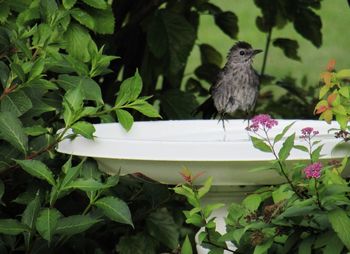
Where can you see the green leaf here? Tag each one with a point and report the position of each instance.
(103, 19)
(145, 108)
(125, 118)
(205, 188)
(308, 24)
(98, 4)
(252, 202)
(4, 12)
(84, 128)
(263, 248)
(282, 193)
(177, 104)
(78, 42)
(71, 173)
(301, 148)
(29, 217)
(286, 148)
(18, 70)
(84, 185)
(89, 88)
(161, 226)
(12, 227)
(344, 91)
(129, 90)
(261, 145)
(341, 225)
(343, 74)
(186, 247)
(289, 47)
(46, 223)
(68, 4)
(83, 18)
(207, 210)
(315, 155)
(115, 209)
(210, 55)
(4, 73)
(36, 130)
(37, 169)
(75, 224)
(11, 130)
(323, 91)
(17, 103)
(284, 131)
(305, 246)
(141, 243)
(48, 9)
(37, 68)
(228, 23)
(171, 36)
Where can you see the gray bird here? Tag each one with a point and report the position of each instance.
(237, 85)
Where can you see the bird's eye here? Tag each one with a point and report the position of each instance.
(241, 52)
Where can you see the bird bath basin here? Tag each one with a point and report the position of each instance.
(159, 149)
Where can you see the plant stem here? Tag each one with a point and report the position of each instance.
(318, 196)
(281, 164)
(266, 52)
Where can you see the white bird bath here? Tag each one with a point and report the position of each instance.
(159, 149)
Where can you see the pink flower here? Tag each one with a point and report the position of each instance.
(308, 133)
(263, 121)
(313, 170)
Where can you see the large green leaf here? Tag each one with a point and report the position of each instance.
(115, 209)
(228, 23)
(17, 103)
(309, 24)
(89, 88)
(46, 223)
(71, 173)
(177, 104)
(38, 169)
(172, 36)
(210, 55)
(186, 247)
(129, 90)
(161, 225)
(289, 47)
(340, 222)
(12, 227)
(104, 20)
(286, 148)
(75, 224)
(78, 42)
(12, 131)
(83, 18)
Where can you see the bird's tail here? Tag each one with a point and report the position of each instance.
(207, 108)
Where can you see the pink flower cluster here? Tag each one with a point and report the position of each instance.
(308, 133)
(263, 121)
(313, 170)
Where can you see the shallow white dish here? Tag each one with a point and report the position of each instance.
(159, 149)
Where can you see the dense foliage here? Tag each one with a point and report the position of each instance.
(49, 73)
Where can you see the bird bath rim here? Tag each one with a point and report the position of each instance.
(187, 140)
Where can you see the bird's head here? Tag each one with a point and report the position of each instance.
(242, 52)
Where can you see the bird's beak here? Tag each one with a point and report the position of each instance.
(256, 51)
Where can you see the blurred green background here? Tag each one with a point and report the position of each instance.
(335, 15)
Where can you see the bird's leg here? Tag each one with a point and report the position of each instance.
(222, 118)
